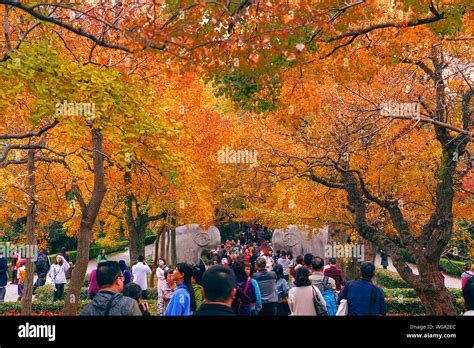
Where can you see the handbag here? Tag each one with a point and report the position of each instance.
(50, 280)
(343, 308)
(319, 307)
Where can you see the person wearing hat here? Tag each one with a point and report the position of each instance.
(335, 273)
(267, 284)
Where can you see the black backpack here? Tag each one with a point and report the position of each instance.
(42, 263)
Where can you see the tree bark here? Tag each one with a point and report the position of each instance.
(432, 293)
(26, 299)
(89, 215)
(136, 223)
(156, 255)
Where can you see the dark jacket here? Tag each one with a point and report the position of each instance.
(267, 283)
(145, 313)
(3, 271)
(214, 310)
(121, 305)
(336, 274)
(363, 298)
(43, 263)
(253, 258)
(243, 300)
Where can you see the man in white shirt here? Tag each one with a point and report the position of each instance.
(140, 273)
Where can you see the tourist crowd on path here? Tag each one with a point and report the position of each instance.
(242, 277)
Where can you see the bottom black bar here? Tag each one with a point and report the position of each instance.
(215, 331)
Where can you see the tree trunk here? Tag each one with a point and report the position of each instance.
(136, 241)
(89, 215)
(26, 299)
(427, 285)
(436, 298)
(162, 250)
(156, 256)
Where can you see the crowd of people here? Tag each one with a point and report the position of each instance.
(243, 277)
(240, 290)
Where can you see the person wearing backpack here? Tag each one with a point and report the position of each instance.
(109, 300)
(245, 294)
(43, 263)
(335, 273)
(325, 284)
(364, 298)
(305, 298)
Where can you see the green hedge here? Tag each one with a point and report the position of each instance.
(410, 293)
(44, 293)
(153, 293)
(395, 306)
(450, 266)
(55, 308)
(389, 279)
(94, 250)
(38, 307)
(406, 255)
(412, 306)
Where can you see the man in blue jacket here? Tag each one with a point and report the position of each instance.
(363, 297)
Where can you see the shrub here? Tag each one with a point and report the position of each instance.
(86, 281)
(410, 293)
(150, 239)
(406, 256)
(412, 306)
(152, 293)
(45, 293)
(42, 308)
(55, 308)
(453, 268)
(389, 279)
(149, 260)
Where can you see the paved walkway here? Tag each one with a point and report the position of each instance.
(12, 291)
(450, 282)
